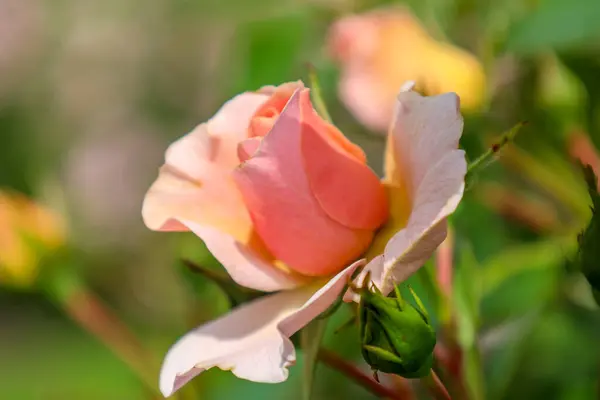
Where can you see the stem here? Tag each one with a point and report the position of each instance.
(506, 138)
(436, 387)
(402, 387)
(351, 371)
(320, 105)
(87, 310)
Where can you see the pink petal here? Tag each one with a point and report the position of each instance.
(245, 265)
(345, 187)
(426, 162)
(230, 126)
(285, 212)
(424, 130)
(192, 187)
(253, 341)
(194, 184)
(247, 148)
(353, 41)
(358, 90)
(194, 191)
(437, 197)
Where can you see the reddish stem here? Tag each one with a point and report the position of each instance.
(351, 371)
(436, 387)
(95, 317)
(445, 254)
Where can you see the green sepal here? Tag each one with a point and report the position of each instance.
(383, 354)
(396, 337)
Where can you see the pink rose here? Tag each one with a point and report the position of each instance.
(286, 185)
(377, 51)
(287, 203)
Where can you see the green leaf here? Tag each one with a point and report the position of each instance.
(556, 25)
(310, 341)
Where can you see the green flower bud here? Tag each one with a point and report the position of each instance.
(396, 337)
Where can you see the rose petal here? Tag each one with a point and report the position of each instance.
(230, 125)
(346, 188)
(253, 340)
(359, 92)
(247, 148)
(285, 213)
(194, 184)
(427, 171)
(244, 264)
(378, 50)
(191, 187)
(438, 196)
(424, 130)
(266, 115)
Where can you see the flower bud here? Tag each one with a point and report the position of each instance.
(396, 337)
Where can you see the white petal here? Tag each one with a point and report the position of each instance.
(438, 196)
(425, 129)
(253, 340)
(426, 162)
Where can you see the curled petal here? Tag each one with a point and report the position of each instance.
(253, 341)
(247, 148)
(230, 126)
(345, 187)
(191, 187)
(437, 197)
(424, 130)
(194, 184)
(426, 169)
(286, 214)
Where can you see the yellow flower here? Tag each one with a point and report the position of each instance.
(28, 231)
(380, 50)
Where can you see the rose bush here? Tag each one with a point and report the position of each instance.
(287, 204)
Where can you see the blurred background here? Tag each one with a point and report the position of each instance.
(92, 92)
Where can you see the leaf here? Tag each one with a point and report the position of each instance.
(310, 342)
(556, 25)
